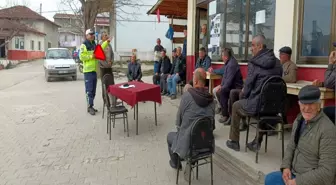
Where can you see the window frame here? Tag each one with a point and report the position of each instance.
(314, 60)
(247, 42)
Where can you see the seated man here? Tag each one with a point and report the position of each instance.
(134, 72)
(329, 81)
(164, 67)
(196, 102)
(176, 73)
(261, 67)
(204, 61)
(310, 155)
(289, 68)
(232, 79)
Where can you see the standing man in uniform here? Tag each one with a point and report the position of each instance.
(89, 67)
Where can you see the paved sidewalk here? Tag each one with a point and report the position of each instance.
(46, 137)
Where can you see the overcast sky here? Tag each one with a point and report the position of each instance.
(139, 35)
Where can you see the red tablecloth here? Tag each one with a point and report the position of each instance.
(141, 92)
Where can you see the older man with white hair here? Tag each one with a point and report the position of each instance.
(310, 155)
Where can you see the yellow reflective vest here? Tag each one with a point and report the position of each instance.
(86, 55)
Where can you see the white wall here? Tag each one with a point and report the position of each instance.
(70, 40)
(52, 35)
(27, 38)
(285, 26)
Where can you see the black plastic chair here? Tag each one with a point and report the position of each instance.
(270, 111)
(113, 110)
(202, 146)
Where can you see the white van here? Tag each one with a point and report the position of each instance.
(59, 63)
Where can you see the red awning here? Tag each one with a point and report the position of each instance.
(177, 9)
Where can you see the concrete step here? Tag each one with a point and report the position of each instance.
(238, 169)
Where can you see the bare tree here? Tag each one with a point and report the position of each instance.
(86, 11)
(10, 25)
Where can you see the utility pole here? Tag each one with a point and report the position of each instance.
(40, 8)
(113, 24)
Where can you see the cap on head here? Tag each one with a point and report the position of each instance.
(287, 50)
(174, 50)
(164, 50)
(89, 32)
(309, 94)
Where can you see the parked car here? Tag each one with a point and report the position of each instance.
(59, 63)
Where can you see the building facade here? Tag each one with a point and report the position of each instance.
(29, 34)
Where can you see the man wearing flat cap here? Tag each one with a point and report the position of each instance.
(289, 67)
(310, 155)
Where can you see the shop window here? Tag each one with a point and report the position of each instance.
(240, 20)
(316, 31)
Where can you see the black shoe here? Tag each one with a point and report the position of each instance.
(254, 146)
(91, 111)
(173, 165)
(163, 93)
(94, 109)
(234, 145)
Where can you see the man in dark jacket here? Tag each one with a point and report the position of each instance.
(261, 67)
(196, 102)
(134, 72)
(232, 79)
(176, 73)
(204, 61)
(157, 55)
(310, 155)
(329, 82)
(165, 67)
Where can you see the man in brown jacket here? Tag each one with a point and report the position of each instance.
(310, 155)
(289, 67)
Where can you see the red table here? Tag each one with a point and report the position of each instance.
(141, 92)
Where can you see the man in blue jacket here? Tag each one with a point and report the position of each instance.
(232, 79)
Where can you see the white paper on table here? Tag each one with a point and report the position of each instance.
(123, 87)
(261, 17)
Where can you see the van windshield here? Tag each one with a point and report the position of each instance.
(58, 54)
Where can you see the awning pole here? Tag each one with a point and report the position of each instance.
(172, 23)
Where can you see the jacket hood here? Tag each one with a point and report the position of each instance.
(265, 59)
(201, 96)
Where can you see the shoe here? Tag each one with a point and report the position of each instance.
(168, 94)
(91, 111)
(224, 120)
(253, 146)
(173, 97)
(95, 109)
(234, 145)
(173, 165)
(163, 93)
(218, 110)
